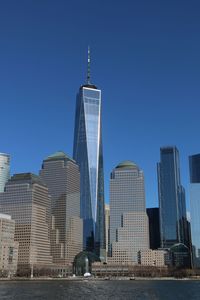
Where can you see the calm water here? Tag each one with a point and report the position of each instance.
(140, 289)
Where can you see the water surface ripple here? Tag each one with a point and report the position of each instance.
(140, 290)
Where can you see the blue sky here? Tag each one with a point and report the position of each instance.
(145, 59)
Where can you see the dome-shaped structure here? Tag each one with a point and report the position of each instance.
(83, 262)
(126, 165)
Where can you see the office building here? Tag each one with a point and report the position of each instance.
(154, 227)
(153, 258)
(27, 201)
(88, 154)
(107, 225)
(8, 247)
(172, 208)
(4, 170)
(61, 175)
(129, 230)
(194, 163)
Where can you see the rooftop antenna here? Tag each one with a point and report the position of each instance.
(88, 66)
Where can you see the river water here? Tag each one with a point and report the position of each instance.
(139, 289)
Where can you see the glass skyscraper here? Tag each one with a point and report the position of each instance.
(194, 163)
(4, 170)
(154, 227)
(88, 154)
(173, 223)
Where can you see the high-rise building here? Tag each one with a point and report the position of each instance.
(88, 154)
(129, 230)
(61, 175)
(8, 247)
(4, 170)
(194, 163)
(154, 227)
(172, 207)
(27, 201)
(107, 225)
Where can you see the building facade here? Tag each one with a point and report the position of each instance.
(129, 230)
(88, 154)
(107, 226)
(154, 227)
(194, 164)
(61, 175)
(172, 207)
(153, 258)
(8, 247)
(27, 201)
(4, 170)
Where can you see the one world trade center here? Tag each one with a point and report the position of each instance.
(88, 154)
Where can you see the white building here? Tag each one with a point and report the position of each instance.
(153, 258)
(8, 247)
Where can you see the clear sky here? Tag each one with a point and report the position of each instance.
(145, 59)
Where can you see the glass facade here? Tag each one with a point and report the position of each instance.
(154, 227)
(87, 153)
(194, 163)
(173, 223)
(4, 170)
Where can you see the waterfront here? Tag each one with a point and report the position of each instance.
(114, 289)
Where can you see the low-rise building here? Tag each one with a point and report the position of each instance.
(8, 247)
(154, 258)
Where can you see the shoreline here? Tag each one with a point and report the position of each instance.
(81, 279)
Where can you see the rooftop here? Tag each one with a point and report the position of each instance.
(90, 86)
(59, 155)
(4, 216)
(127, 164)
(26, 177)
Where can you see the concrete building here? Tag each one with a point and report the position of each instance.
(8, 247)
(107, 226)
(153, 258)
(61, 175)
(129, 230)
(4, 170)
(26, 199)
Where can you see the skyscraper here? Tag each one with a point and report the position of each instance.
(26, 199)
(154, 227)
(129, 230)
(194, 163)
(88, 154)
(61, 175)
(4, 170)
(172, 206)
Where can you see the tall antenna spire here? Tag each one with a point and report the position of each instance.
(88, 66)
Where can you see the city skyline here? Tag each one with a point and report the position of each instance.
(145, 83)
